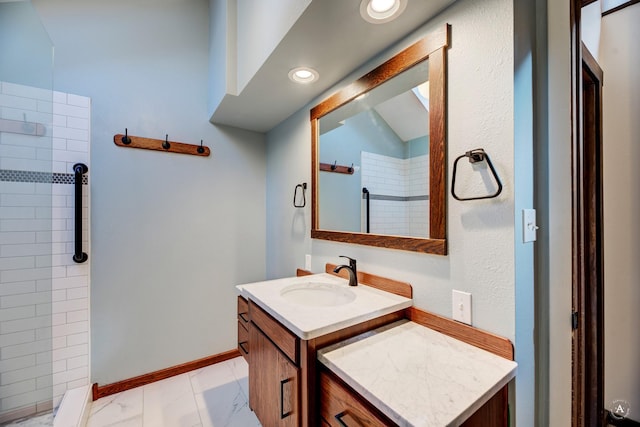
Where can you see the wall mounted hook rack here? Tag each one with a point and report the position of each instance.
(160, 144)
(335, 167)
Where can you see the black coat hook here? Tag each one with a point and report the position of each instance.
(334, 165)
(125, 139)
(166, 144)
(350, 168)
(200, 148)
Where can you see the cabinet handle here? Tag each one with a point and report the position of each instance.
(244, 319)
(283, 415)
(241, 344)
(344, 416)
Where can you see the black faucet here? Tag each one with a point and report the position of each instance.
(351, 268)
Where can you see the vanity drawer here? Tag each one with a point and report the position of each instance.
(243, 312)
(339, 406)
(286, 341)
(243, 340)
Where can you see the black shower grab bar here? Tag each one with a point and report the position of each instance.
(366, 196)
(79, 169)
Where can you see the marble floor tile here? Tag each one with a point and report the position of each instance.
(45, 420)
(121, 409)
(214, 396)
(170, 403)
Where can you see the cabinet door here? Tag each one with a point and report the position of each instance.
(273, 383)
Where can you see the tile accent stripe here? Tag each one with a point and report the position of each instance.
(40, 177)
(396, 198)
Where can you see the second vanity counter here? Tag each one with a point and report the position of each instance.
(417, 376)
(309, 320)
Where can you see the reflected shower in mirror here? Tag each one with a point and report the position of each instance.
(384, 134)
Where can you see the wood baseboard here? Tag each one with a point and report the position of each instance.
(106, 390)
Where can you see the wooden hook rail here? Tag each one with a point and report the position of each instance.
(328, 167)
(130, 141)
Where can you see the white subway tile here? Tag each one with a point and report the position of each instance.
(69, 352)
(77, 123)
(78, 362)
(59, 97)
(78, 100)
(43, 212)
(16, 388)
(43, 309)
(16, 263)
(59, 167)
(59, 366)
(59, 342)
(59, 295)
(18, 102)
(17, 362)
(71, 329)
(24, 349)
(77, 293)
(9, 276)
(69, 157)
(44, 333)
(17, 288)
(20, 400)
(77, 270)
(70, 110)
(16, 338)
(58, 224)
(70, 282)
(44, 357)
(45, 381)
(81, 382)
(24, 225)
(26, 91)
(77, 316)
(70, 305)
(76, 339)
(11, 326)
(10, 301)
(44, 154)
(44, 106)
(70, 133)
(63, 213)
(7, 188)
(79, 146)
(17, 152)
(59, 120)
(43, 285)
(17, 213)
(63, 190)
(24, 374)
(71, 375)
(58, 319)
(25, 199)
(15, 313)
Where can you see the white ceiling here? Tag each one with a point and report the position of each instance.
(329, 36)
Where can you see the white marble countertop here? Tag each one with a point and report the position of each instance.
(417, 376)
(309, 322)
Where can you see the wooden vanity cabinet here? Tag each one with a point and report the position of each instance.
(340, 406)
(274, 372)
(243, 327)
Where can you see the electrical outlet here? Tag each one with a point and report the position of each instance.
(307, 262)
(461, 306)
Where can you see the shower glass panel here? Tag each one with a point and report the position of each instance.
(26, 224)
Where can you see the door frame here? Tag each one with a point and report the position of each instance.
(587, 233)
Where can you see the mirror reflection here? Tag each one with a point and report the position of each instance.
(374, 160)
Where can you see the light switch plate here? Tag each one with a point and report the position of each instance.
(307, 262)
(461, 306)
(529, 226)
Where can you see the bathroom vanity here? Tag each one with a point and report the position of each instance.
(302, 335)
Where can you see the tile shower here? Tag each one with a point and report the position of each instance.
(44, 294)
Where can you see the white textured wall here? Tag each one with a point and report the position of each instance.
(171, 234)
(620, 61)
(480, 234)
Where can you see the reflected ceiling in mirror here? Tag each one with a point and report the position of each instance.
(378, 154)
(383, 135)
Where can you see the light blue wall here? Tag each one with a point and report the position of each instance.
(171, 234)
(341, 194)
(26, 52)
(417, 147)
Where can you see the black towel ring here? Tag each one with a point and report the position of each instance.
(475, 156)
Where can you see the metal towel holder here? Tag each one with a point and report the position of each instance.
(475, 156)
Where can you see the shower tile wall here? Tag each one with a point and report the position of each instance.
(405, 182)
(44, 295)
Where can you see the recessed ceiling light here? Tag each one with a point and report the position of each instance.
(381, 11)
(303, 75)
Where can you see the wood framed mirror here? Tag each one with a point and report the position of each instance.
(378, 154)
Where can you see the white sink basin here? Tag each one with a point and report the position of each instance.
(318, 294)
